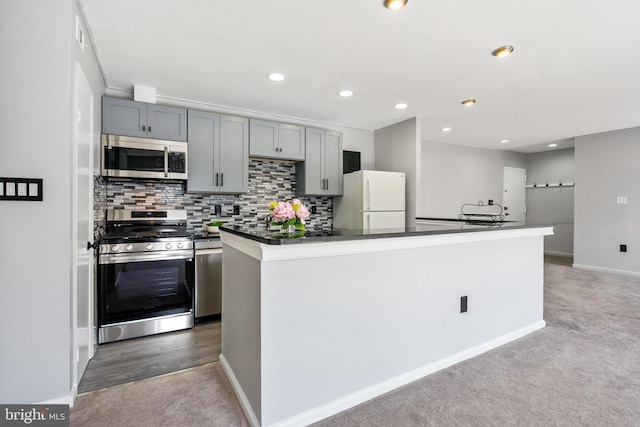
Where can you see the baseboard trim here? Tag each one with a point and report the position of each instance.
(562, 254)
(237, 388)
(606, 270)
(63, 400)
(361, 396)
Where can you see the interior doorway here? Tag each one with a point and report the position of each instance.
(83, 337)
(514, 197)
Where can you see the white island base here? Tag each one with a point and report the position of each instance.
(311, 329)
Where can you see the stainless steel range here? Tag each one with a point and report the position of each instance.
(145, 274)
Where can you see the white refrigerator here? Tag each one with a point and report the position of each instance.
(371, 200)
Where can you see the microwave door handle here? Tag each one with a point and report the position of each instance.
(166, 162)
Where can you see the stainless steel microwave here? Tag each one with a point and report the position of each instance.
(130, 157)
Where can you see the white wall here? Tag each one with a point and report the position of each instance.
(35, 261)
(397, 149)
(452, 175)
(607, 166)
(552, 205)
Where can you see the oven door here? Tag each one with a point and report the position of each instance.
(143, 158)
(141, 286)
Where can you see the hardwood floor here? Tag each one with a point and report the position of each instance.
(135, 359)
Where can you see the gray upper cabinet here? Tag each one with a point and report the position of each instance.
(273, 140)
(218, 153)
(321, 172)
(132, 118)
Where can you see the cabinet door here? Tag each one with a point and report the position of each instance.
(124, 117)
(333, 163)
(313, 173)
(291, 142)
(234, 154)
(204, 130)
(263, 139)
(166, 122)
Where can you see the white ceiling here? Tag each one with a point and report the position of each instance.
(575, 69)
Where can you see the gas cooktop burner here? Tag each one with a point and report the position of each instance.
(145, 231)
(147, 235)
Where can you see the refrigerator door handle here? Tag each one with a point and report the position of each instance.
(368, 194)
(368, 222)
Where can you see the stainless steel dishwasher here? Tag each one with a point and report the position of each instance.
(208, 293)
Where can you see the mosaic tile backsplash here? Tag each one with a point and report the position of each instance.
(268, 181)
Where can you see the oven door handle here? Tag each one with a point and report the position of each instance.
(141, 257)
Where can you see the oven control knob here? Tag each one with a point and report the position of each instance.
(149, 246)
(128, 247)
(180, 246)
(168, 246)
(115, 248)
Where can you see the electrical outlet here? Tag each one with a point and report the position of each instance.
(236, 210)
(463, 304)
(218, 209)
(314, 209)
(623, 248)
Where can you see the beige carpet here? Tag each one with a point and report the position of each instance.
(583, 369)
(199, 396)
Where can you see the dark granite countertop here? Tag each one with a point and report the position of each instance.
(335, 235)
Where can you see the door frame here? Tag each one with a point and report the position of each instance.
(80, 79)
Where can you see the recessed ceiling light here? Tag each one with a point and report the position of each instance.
(401, 106)
(504, 141)
(553, 145)
(468, 102)
(502, 51)
(345, 93)
(276, 77)
(445, 129)
(394, 4)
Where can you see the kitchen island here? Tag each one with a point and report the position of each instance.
(317, 324)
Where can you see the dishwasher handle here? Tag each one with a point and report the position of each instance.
(208, 251)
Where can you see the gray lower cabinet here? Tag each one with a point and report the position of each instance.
(321, 172)
(273, 140)
(133, 118)
(218, 160)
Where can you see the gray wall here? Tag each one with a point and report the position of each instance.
(35, 261)
(552, 205)
(397, 149)
(452, 175)
(607, 166)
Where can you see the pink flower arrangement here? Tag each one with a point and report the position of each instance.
(286, 214)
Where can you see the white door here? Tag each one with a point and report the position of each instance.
(383, 191)
(513, 199)
(83, 294)
(380, 220)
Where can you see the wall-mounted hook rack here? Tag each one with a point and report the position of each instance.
(547, 185)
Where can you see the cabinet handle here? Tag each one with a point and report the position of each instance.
(149, 128)
(216, 179)
(166, 162)
(222, 179)
(144, 128)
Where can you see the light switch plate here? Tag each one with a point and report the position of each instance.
(621, 200)
(24, 189)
